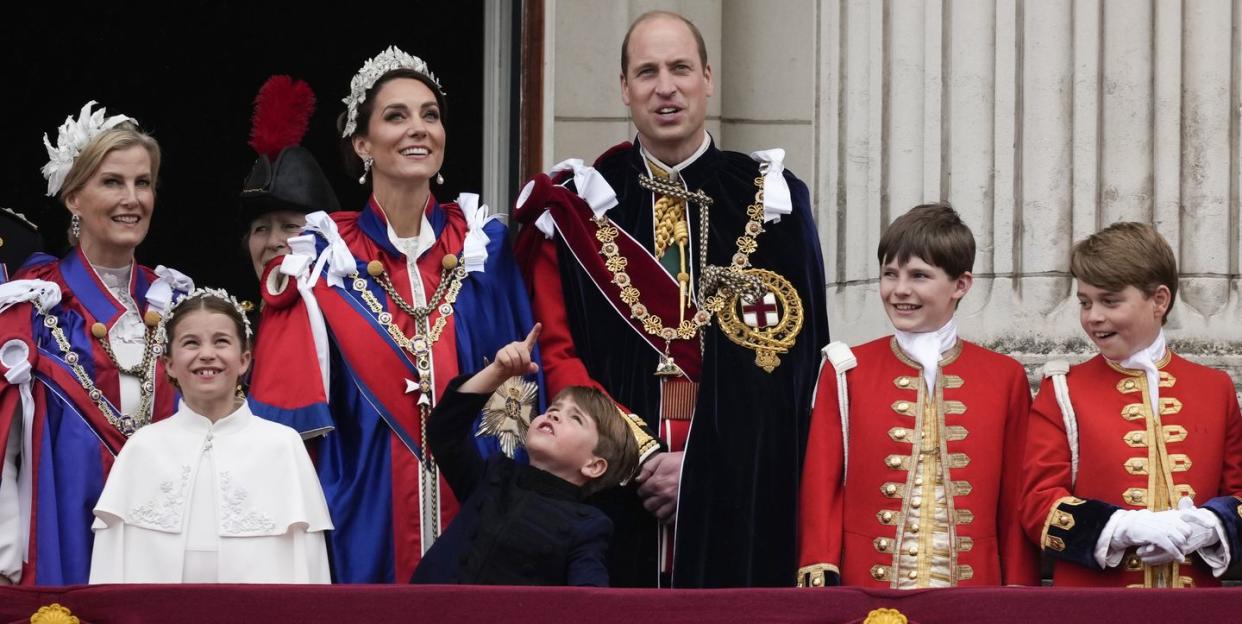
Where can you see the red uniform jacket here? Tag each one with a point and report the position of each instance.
(1127, 459)
(851, 527)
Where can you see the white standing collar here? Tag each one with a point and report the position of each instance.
(927, 347)
(707, 141)
(1146, 360)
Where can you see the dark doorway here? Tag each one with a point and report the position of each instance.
(188, 72)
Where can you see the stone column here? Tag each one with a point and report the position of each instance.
(1041, 122)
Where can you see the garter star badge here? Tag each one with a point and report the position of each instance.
(507, 414)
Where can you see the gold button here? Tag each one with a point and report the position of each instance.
(375, 268)
(1063, 519)
(151, 318)
(914, 574)
(894, 461)
(903, 382)
(449, 262)
(900, 434)
(817, 582)
(879, 572)
(903, 406)
(918, 480)
(916, 503)
(883, 544)
(99, 330)
(1129, 384)
(914, 527)
(887, 516)
(1134, 411)
(913, 550)
(890, 489)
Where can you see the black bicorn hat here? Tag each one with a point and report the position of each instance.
(285, 176)
(19, 239)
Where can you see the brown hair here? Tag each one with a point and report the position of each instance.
(1127, 254)
(353, 164)
(694, 30)
(616, 443)
(206, 303)
(933, 232)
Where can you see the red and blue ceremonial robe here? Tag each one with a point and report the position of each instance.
(359, 387)
(71, 440)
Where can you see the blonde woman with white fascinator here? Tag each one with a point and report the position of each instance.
(80, 363)
(374, 312)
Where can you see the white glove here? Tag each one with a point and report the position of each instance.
(1205, 525)
(1163, 535)
(1203, 533)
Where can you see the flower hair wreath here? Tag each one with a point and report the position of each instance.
(161, 332)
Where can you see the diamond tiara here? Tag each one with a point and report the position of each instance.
(372, 70)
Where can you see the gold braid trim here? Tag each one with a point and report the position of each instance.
(815, 575)
(1054, 513)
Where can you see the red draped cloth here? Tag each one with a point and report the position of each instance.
(188, 604)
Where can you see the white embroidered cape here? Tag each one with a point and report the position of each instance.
(269, 509)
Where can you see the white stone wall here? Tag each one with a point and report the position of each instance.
(1041, 121)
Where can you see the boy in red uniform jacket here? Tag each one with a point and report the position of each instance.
(1135, 455)
(912, 472)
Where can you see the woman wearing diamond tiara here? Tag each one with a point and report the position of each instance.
(210, 494)
(77, 349)
(374, 312)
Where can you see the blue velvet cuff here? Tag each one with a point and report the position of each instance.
(1073, 529)
(1228, 510)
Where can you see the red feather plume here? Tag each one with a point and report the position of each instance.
(282, 112)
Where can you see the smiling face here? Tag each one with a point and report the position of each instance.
(269, 234)
(666, 87)
(115, 206)
(562, 441)
(206, 357)
(920, 297)
(404, 134)
(1121, 323)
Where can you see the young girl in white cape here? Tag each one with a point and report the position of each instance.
(212, 494)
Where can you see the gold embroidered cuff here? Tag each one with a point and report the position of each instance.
(816, 575)
(1059, 518)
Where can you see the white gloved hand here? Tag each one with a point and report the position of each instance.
(1204, 524)
(1162, 534)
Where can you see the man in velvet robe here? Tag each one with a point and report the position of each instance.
(615, 270)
